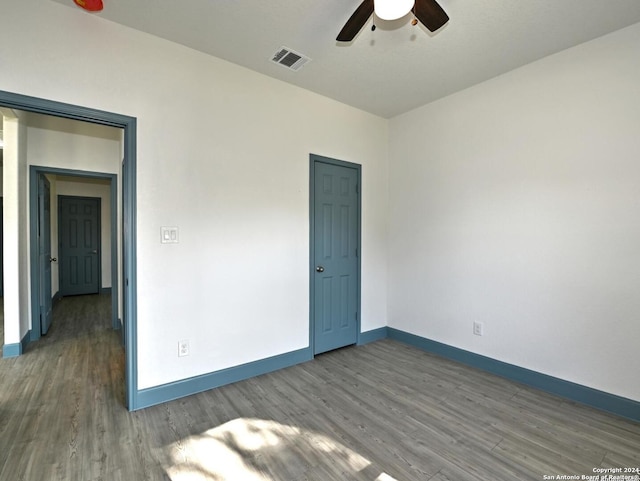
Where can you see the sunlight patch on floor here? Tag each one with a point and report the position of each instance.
(385, 477)
(256, 450)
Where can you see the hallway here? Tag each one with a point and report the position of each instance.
(70, 378)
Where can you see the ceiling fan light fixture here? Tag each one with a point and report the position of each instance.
(392, 9)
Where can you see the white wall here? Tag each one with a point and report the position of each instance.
(69, 144)
(1, 153)
(513, 203)
(516, 203)
(223, 153)
(15, 247)
(75, 145)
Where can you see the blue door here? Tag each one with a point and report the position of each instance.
(79, 233)
(335, 268)
(44, 252)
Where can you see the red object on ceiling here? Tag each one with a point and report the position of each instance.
(91, 5)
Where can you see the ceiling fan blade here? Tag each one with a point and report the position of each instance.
(430, 14)
(356, 22)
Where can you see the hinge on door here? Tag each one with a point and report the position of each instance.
(356, 252)
(356, 315)
(357, 188)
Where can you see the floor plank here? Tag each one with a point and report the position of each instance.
(380, 412)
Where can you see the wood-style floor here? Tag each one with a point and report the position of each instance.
(381, 412)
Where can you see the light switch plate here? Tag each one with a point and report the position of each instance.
(169, 235)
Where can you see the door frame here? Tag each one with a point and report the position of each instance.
(129, 274)
(34, 174)
(114, 322)
(313, 159)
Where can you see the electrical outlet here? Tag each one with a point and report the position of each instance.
(478, 328)
(183, 348)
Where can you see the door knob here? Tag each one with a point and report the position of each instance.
(94, 251)
(53, 259)
(319, 269)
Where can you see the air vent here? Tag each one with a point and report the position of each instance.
(289, 58)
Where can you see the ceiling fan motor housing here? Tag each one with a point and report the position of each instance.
(427, 12)
(392, 9)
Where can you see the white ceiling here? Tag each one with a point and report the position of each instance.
(387, 72)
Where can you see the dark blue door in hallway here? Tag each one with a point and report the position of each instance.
(336, 240)
(79, 232)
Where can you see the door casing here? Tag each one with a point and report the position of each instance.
(34, 172)
(129, 275)
(313, 159)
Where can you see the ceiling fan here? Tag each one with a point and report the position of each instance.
(428, 12)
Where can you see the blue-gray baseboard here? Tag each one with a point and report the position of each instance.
(575, 392)
(167, 392)
(16, 349)
(186, 387)
(373, 335)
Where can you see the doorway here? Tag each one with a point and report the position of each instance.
(74, 181)
(128, 124)
(335, 220)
